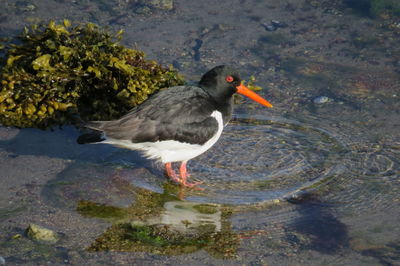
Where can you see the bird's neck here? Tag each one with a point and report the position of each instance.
(225, 107)
(222, 99)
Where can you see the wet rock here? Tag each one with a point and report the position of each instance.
(269, 27)
(321, 99)
(2, 261)
(37, 232)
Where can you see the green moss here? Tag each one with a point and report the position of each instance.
(57, 72)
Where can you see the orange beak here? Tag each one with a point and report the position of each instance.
(252, 95)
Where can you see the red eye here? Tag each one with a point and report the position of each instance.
(229, 78)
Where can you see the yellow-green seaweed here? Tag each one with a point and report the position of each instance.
(57, 73)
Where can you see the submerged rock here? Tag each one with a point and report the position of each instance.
(321, 99)
(37, 232)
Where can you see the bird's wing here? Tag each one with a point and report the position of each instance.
(178, 113)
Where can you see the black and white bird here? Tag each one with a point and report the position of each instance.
(177, 123)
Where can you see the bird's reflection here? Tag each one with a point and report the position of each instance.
(164, 224)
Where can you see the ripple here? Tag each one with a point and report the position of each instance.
(260, 160)
(371, 182)
(257, 161)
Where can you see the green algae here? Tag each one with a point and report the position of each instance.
(140, 227)
(161, 239)
(99, 210)
(57, 72)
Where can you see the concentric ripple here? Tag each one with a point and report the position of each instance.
(259, 160)
(372, 180)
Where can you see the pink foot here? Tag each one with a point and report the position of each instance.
(171, 173)
(184, 175)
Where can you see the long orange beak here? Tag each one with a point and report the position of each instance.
(252, 95)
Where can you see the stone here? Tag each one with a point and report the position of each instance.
(40, 233)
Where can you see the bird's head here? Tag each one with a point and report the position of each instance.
(222, 82)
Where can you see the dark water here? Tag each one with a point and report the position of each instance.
(314, 180)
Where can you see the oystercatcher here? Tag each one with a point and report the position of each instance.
(178, 123)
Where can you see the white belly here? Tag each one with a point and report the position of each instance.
(170, 150)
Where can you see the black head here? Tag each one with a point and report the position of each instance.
(220, 82)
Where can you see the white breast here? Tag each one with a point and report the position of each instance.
(170, 150)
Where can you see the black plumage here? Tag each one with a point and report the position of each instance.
(161, 118)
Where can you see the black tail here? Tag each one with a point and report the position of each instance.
(93, 137)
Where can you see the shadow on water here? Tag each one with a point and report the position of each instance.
(56, 143)
(327, 233)
(61, 143)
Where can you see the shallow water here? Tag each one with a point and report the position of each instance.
(311, 181)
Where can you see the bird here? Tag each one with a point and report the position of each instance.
(178, 123)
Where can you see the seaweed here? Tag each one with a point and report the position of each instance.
(53, 74)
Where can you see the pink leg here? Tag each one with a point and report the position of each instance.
(184, 175)
(171, 173)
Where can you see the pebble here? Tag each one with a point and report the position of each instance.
(279, 24)
(275, 24)
(40, 233)
(321, 99)
(269, 27)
